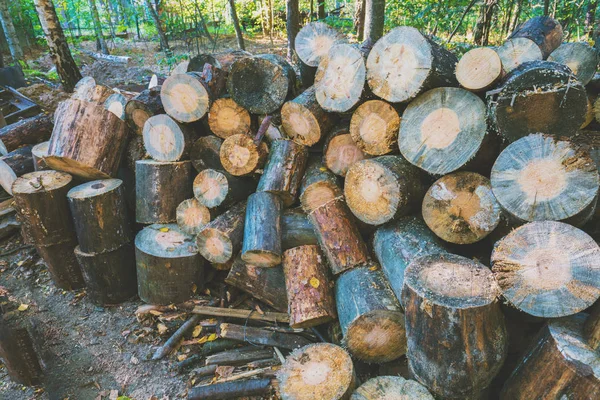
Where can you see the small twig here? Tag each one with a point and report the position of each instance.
(241, 314)
(170, 344)
(264, 126)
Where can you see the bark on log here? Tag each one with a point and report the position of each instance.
(39, 153)
(239, 356)
(546, 32)
(580, 57)
(116, 103)
(232, 390)
(537, 261)
(340, 151)
(517, 51)
(221, 239)
(135, 151)
(429, 65)
(167, 140)
(240, 155)
(205, 153)
(27, 131)
(160, 188)
(213, 188)
(223, 60)
(16, 163)
(143, 106)
(442, 129)
(263, 337)
(383, 188)
(445, 296)
(541, 178)
(89, 91)
(296, 229)
(317, 371)
(227, 118)
(374, 127)
(386, 387)
(62, 264)
(479, 69)
(87, 141)
(192, 216)
(262, 230)
(314, 40)
(100, 216)
(169, 269)
(186, 97)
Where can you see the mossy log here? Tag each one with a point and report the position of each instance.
(221, 239)
(262, 230)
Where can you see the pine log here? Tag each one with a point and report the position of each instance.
(115, 103)
(262, 230)
(479, 69)
(580, 57)
(517, 51)
(538, 96)
(370, 315)
(205, 153)
(399, 242)
(169, 269)
(546, 32)
(442, 129)
(167, 140)
(39, 153)
(41, 202)
(383, 188)
(110, 276)
(284, 170)
(304, 120)
(374, 127)
(391, 387)
(461, 208)
(261, 83)
(446, 296)
(232, 390)
(192, 216)
(62, 264)
(535, 263)
(221, 239)
(405, 63)
(89, 91)
(317, 371)
(213, 188)
(185, 97)
(87, 141)
(227, 118)
(340, 151)
(240, 155)
(27, 131)
(309, 286)
(314, 40)
(143, 106)
(263, 337)
(100, 215)
(296, 229)
(16, 163)
(264, 284)
(541, 178)
(160, 188)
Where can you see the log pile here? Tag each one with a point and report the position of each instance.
(404, 213)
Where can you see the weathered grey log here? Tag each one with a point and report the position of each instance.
(546, 32)
(39, 153)
(27, 131)
(15, 164)
(580, 57)
(232, 390)
(262, 230)
(143, 106)
(221, 239)
(264, 337)
(296, 229)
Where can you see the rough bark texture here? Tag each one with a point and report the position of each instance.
(205, 153)
(228, 390)
(143, 106)
(62, 264)
(27, 131)
(262, 230)
(546, 32)
(221, 239)
(39, 153)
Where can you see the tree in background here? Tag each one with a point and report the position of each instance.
(359, 19)
(98, 27)
(374, 19)
(236, 25)
(484, 22)
(321, 9)
(164, 44)
(292, 25)
(10, 33)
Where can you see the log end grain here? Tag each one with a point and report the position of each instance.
(517, 51)
(164, 140)
(580, 57)
(341, 152)
(227, 118)
(374, 127)
(241, 156)
(192, 216)
(314, 40)
(185, 97)
(479, 69)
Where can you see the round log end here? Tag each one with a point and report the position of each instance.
(39, 181)
(314, 40)
(163, 138)
(94, 188)
(165, 241)
(214, 245)
(374, 127)
(300, 123)
(211, 188)
(478, 69)
(341, 153)
(241, 156)
(192, 216)
(517, 51)
(227, 118)
(185, 97)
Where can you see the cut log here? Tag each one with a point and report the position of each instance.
(88, 90)
(591, 327)
(374, 127)
(261, 83)
(115, 103)
(444, 297)
(227, 118)
(214, 188)
(383, 188)
(107, 57)
(166, 139)
(39, 153)
(185, 97)
(546, 32)
(284, 171)
(541, 178)
(405, 63)
(100, 216)
(304, 120)
(27, 131)
(398, 243)
(320, 180)
(340, 151)
(264, 284)
(110, 277)
(517, 51)
(309, 286)
(232, 390)
(317, 371)
(41, 202)
(314, 40)
(192, 216)
(370, 315)
(258, 336)
(535, 263)
(442, 129)
(461, 208)
(205, 153)
(479, 69)
(221, 239)
(196, 63)
(143, 106)
(240, 155)
(239, 356)
(296, 229)
(16, 163)
(538, 96)
(391, 387)
(135, 151)
(87, 141)
(262, 230)
(580, 57)
(62, 264)
(169, 269)
(253, 315)
(223, 60)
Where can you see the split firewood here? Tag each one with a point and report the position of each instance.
(580, 57)
(218, 188)
(374, 127)
(186, 97)
(444, 296)
(386, 387)
(263, 337)
(16, 163)
(167, 140)
(143, 106)
(115, 103)
(479, 69)
(340, 150)
(296, 229)
(314, 40)
(227, 118)
(192, 216)
(546, 32)
(205, 153)
(232, 390)
(38, 154)
(221, 239)
(262, 230)
(241, 155)
(27, 131)
(517, 51)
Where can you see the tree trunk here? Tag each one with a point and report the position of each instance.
(164, 44)
(462, 17)
(515, 20)
(98, 26)
(359, 19)
(292, 25)
(590, 17)
(59, 49)
(484, 22)
(10, 33)
(236, 25)
(374, 19)
(546, 7)
(321, 9)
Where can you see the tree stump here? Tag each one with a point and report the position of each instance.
(143, 106)
(444, 297)
(546, 32)
(391, 388)
(442, 129)
(405, 63)
(262, 230)
(221, 239)
(39, 153)
(340, 151)
(205, 153)
(214, 188)
(227, 118)
(296, 229)
(241, 155)
(27, 131)
(63, 266)
(314, 40)
(374, 127)
(517, 51)
(370, 315)
(165, 139)
(169, 269)
(382, 188)
(548, 269)
(160, 188)
(580, 57)
(16, 163)
(541, 178)
(479, 69)
(185, 97)
(115, 103)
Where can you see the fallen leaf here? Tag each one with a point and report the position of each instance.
(162, 329)
(181, 357)
(223, 371)
(23, 307)
(165, 229)
(197, 331)
(212, 337)
(314, 282)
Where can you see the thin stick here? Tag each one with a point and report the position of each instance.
(264, 126)
(241, 314)
(170, 344)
